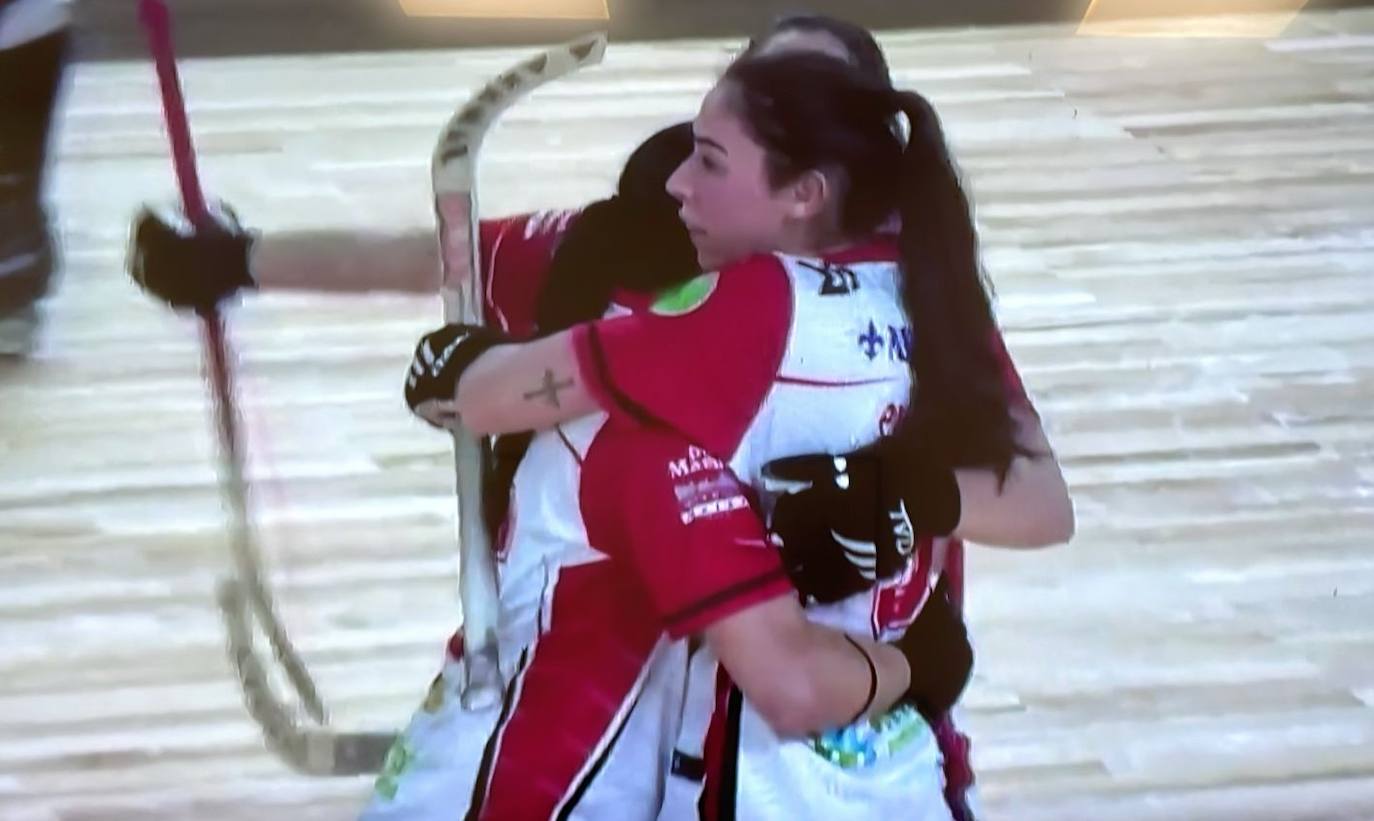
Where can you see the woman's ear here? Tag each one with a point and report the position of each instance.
(808, 195)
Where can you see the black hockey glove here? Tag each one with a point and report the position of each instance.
(844, 523)
(440, 358)
(186, 267)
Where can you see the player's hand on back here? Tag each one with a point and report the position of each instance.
(938, 651)
(187, 267)
(846, 522)
(839, 527)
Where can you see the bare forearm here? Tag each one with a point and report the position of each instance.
(524, 386)
(803, 677)
(1031, 508)
(839, 680)
(347, 261)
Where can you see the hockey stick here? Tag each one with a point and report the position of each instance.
(454, 174)
(309, 750)
(155, 19)
(314, 751)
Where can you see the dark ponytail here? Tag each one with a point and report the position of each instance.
(814, 112)
(960, 410)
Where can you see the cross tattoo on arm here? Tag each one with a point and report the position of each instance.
(549, 389)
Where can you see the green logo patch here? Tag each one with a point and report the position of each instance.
(685, 298)
(398, 760)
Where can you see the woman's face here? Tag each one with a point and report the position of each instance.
(727, 204)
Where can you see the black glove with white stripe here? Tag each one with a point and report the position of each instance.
(844, 523)
(440, 359)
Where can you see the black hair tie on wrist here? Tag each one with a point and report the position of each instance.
(872, 680)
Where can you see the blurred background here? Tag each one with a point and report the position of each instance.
(225, 27)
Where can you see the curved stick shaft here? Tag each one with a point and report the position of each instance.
(310, 751)
(454, 173)
(156, 20)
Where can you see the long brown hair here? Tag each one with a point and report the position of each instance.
(814, 112)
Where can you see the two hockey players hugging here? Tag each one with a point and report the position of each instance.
(748, 408)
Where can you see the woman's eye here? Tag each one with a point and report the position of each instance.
(709, 164)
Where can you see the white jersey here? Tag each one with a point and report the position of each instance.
(840, 380)
(844, 381)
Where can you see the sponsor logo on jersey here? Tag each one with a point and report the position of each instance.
(685, 298)
(695, 508)
(878, 340)
(704, 486)
(903, 534)
(697, 461)
(836, 280)
(400, 758)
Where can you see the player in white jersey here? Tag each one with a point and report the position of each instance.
(799, 153)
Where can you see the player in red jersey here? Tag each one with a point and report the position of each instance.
(814, 169)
